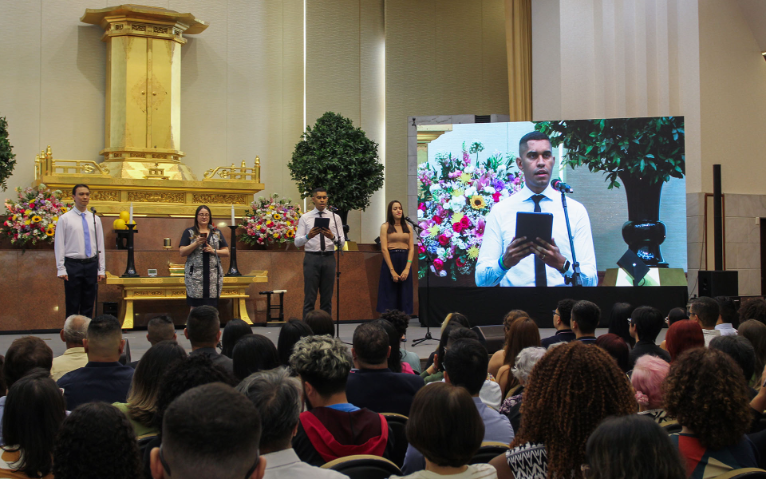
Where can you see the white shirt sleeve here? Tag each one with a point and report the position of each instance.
(59, 245)
(488, 271)
(301, 232)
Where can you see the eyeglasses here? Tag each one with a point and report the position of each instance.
(556, 313)
(533, 155)
(167, 467)
(203, 215)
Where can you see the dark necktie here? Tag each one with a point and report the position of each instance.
(321, 235)
(540, 278)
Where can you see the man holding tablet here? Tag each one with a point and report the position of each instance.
(317, 230)
(507, 260)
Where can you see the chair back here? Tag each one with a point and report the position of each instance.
(746, 473)
(488, 451)
(364, 466)
(398, 423)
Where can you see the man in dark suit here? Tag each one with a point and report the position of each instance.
(561, 321)
(372, 384)
(203, 330)
(584, 320)
(103, 378)
(646, 323)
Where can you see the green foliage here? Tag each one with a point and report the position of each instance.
(648, 148)
(340, 158)
(7, 161)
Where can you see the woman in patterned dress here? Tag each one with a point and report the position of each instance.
(203, 245)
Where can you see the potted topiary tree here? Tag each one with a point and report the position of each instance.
(7, 157)
(642, 153)
(336, 156)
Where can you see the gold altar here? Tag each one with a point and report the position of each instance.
(173, 287)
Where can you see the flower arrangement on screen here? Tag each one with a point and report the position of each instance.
(272, 220)
(33, 216)
(454, 196)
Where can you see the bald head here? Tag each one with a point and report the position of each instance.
(75, 330)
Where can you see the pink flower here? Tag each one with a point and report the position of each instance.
(457, 227)
(421, 249)
(437, 219)
(422, 206)
(496, 196)
(460, 262)
(443, 240)
(465, 222)
(438, 264)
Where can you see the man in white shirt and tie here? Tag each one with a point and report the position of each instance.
(320, 244)
(79, 247)
(510, 261)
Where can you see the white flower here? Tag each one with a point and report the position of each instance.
(440, 252)
(457, 202)
(501, 168)
(489, 189)
(434, 187)
(420, 214)
(470, 191)
(469, 169)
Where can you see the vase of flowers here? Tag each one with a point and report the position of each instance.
(32, 218)
(454, 196)
(272, 221)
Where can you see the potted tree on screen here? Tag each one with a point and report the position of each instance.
(340, 158)
(7, 157)
(639, 153)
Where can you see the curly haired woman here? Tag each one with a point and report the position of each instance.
(705, 392)
(570, 391)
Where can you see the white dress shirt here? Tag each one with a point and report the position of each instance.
(501, 229)
(306, 223)
(286, 464)
(69, 241)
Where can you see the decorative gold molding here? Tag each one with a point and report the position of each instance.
(156, 197)
(220, 199)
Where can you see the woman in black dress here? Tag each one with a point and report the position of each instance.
(203, 246)
(397, 243)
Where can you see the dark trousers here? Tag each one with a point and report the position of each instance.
(81, 287)
(318, 275)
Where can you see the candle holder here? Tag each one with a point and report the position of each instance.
(233, 269)
(167, 244)
(130, 270)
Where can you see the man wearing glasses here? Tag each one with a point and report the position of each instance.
(510, 261)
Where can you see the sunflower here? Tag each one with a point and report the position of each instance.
(477, 202)
(290, 234)
(465, 177)
(456, 217)
(36, 219)
(64, 209)
(473, 252)
(51, 230)
(277, 216)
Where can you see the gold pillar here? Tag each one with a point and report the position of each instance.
(518, 41)
(143, 88)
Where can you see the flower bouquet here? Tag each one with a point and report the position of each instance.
(271, 221)
(33, 216)
(454, 196)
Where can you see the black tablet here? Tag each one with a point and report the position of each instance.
(322, 223)
(534, 225)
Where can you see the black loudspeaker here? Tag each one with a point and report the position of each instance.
(492, 337)
(718, 283)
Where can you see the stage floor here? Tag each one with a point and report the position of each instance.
(139, 344)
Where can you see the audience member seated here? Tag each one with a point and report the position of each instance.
(448, 431)
(198, 444)
(103, 378)
(33, 414)
(277, 397)
(96, 441)
(434, 371)
(682, 336)
(571, 390)
(22, 356)
(457, 319)
(706, 393)
(395, 363)
(728, 319)
(159, 328)
(523, 333)
(646, 323)
(401, 322)
(674, 315)
(741, 351)
(755, 332)
(631, 447)
(372, 384)
(332, 427)
(234, 330)
(617, 348)
(619, 322)
(647, 378)
(585, 319)
(75, 328)
(498, 358)
(290, 333)
(320, 322)
(142, 398)
(705, 311)
(521, 370)
(253, 353)
(464, 366)
(753, 308)
(562, 318)
(203, 330)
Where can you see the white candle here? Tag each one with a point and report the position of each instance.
(254, 198)
(232, 215)
(131, 213)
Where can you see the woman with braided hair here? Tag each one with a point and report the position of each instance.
(570, 391)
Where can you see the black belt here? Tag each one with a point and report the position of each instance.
(92, 259)
(321, 253)
(398, 250)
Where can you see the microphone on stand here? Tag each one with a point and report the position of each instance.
(559, 185)
(408, 220)
(333, 209)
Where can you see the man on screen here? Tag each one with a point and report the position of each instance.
(510, 261)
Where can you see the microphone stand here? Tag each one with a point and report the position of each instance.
(98, 258)
(576, 279)
(429, 262)
(338, 253)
